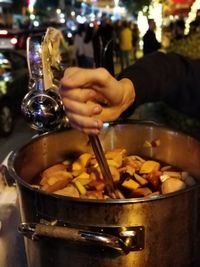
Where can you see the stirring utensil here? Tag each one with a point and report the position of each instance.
(106, 61)
(103, 164)
(51, 60)
(98, 151)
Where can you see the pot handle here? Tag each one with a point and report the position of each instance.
(130, 239)
(4, 169)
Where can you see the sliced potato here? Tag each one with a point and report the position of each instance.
(149, 166)
(132, 161)
(57, 185)
(115, 173)
(59, 175)
(127, 169)
(81, 162)
(57, 167)
(112, 154)
(112, 162)
(164, 177)
(116, 157)
(172, 185)
(70, 191)
(173, 174)
(147, 144)
(84, 178)
(50, 171)
(130, 184)
(80, 187)
(142, 181)
(135, 157)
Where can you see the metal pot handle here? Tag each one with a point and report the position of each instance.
(131, 239)
(4, 169)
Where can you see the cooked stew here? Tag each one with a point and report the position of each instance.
(133, 176)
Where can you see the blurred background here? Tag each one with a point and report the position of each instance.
(86, 26)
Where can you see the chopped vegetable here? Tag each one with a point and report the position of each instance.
(130, 184)
(153, 143)
(80, 188)
(142, 181)
(150, 166)
(81, 162)
(133, 176)
(147, 144)
(172, 185)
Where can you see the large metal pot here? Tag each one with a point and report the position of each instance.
(151, 231)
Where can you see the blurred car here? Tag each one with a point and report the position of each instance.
(8, 39)
(13, 86)
(16, 39)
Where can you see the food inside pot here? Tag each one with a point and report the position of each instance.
(133, 176)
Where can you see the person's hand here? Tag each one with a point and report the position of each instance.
(92, 96)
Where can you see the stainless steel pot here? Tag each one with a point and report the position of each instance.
(151, 231)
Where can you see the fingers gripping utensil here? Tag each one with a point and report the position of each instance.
(42, 106)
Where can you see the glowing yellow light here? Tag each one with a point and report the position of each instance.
(155, 12)
(142, 23)
(192, 15)
(31, 9)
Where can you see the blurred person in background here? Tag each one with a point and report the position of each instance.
(78, 44)
(167, 36)
(125, 44)
(106, 30)
(150, 43)
(116, 49)
(97, 45)
(179, 28)
(135, 39)
(88, 49)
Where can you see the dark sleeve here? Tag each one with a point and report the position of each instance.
(170, 78)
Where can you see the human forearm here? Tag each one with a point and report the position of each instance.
(170, 78)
